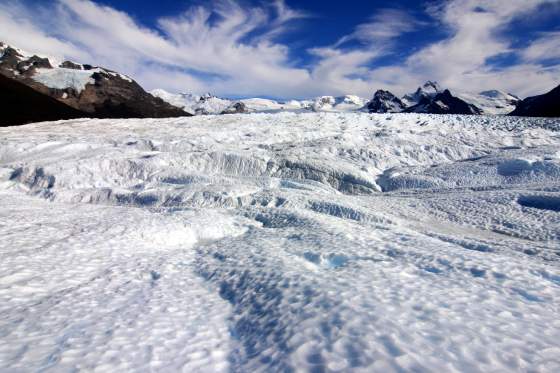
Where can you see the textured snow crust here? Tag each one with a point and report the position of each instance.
(281, 242)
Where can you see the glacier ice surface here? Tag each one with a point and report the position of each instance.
(281, 242)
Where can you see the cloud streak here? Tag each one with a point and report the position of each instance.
(234, 50)
(546, 47)
(384, 26)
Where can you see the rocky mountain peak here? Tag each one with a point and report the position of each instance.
(443, 103)
(385, 102)
(427, 90)
(431, 87)
(236, 108)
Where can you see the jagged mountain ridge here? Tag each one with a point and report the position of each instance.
(494, 102)
(385, 102)
(423, 100)
(443, 103)
(210, 104)
(426, 91)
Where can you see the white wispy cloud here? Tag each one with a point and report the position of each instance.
(230, 49)
(384, 26)
(546, 47)
(475, 36)
(342, 69)
(462, 60)
(18, 27)
(236, 47)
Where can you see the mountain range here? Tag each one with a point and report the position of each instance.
(37, 88)
(429, 98)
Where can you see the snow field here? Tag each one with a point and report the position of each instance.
(279, 242)
(62, 78)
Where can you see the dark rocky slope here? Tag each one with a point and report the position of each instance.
(546, 105)
(22, 104)
(385, 102)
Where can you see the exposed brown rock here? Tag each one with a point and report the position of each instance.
(236, 108)
(111, 95)
(71, 65)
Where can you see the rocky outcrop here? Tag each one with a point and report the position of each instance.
(114, 96)
(236, 108)
(71, 65)
(546, 105)
(95, 91)
(385, 102)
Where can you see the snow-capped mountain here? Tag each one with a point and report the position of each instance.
(443, 103)
(95, 91)
(426, 91)
(264, 105)
(494, 102)
(209, 104)
(341, 103)
(194, 104)
(429, 98)
(385, 102)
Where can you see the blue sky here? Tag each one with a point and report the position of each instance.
(298, 49)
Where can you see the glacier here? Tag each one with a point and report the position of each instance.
(281, 242)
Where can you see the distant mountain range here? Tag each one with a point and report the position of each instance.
(209, 104)
(430, 98)
(36, 88)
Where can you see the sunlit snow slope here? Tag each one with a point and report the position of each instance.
(281, 242)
